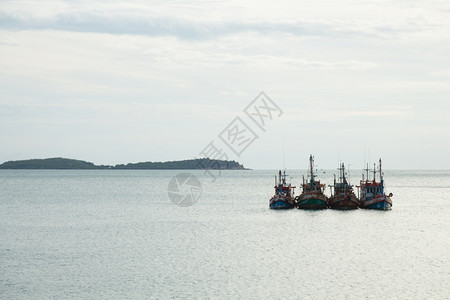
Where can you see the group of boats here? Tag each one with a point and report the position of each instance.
(371, 193)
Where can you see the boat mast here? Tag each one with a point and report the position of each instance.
(381, 179)
(343, 173)
(381, 174)
(333, 186)
(374, 172)
(311, 167)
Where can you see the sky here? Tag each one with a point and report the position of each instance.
(128, 81)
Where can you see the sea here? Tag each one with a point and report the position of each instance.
(159, 234)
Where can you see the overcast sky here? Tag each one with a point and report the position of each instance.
(127, 81)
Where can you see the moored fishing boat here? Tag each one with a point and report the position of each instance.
(372, 194)
(342, 195)
(284, 193)
(312, 196)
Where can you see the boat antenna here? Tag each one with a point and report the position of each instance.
(364, 162)
(339, 157)
(348, 173)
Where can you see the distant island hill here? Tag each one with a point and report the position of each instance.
(59, 163)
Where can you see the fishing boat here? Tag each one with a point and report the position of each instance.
(372, 194)
(284, 193)
(342, 195)
(312, 196)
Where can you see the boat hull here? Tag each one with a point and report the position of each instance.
(312, 202)
(344, 202)
(380, 203)
(281, 203)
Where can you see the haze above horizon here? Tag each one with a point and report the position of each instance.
(129, 81)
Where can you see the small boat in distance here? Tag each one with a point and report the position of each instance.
(284, 193)
(372, 194)
(312, 196)
(343, 196)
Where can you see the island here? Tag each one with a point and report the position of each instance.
(74, 164)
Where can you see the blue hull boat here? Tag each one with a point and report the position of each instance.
(284, 194)
(381, 202)
(281, 203)
(380, 205)
(373, 195)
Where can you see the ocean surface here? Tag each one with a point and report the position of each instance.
(116, 234)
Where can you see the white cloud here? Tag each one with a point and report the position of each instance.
(166, 77)
(158, 26)
(8, 42)
(441, 73)
(171, 24)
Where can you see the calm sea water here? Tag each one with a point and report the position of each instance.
(115, 234)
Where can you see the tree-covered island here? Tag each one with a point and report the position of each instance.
(74, 164)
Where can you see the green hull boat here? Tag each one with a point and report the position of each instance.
(312, 196)
(306, 201)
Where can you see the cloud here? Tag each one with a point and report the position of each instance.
(271, 62)
(442, 73)
(334, 114)
(9, 42)
(139, 24)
